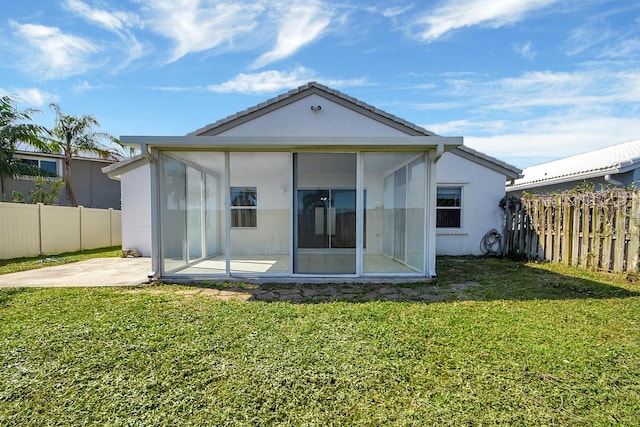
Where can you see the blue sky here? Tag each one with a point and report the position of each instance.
(525, 81)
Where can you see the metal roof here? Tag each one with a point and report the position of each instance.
(615, 159)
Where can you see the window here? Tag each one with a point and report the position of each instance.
(449, 207)
(50, 166)
(244, 207)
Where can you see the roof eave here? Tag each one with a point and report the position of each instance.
(227, 143)
(115, 170)
(562, 179)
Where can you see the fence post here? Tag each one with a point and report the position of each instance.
(40, 227)
(607, 234)
(506, 249)
(634, 233)
(587, 222)
(620, 227)
(567, 227)
(110, 226)
(575, 230)
(81, 236)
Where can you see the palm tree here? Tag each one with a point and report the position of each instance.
(14, 129)
(73, 136)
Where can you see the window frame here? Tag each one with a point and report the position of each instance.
(39, 160)
(254, 207)
(451, 208)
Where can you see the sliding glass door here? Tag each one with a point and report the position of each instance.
(325, 213)
(326, 218)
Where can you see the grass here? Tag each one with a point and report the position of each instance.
(22, 264)
(533, 344)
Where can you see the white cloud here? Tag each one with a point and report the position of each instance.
(543, 115)
(84, 86)
(525, 50)
(551, 138)
(112, 21)
(586, 37)
(275, 81)
(301, 24)
(195, 27)
(534, 89)
(456, 14)
(50, 53)
(31, 96)
(117, 22)
(393, 12)
(624, 49)
(266, 81)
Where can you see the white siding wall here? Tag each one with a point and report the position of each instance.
(482, 190)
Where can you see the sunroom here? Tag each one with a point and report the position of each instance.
(272, 211)
(312, 185)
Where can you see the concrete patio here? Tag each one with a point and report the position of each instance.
(90, 273)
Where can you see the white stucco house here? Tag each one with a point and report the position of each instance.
(310, 184)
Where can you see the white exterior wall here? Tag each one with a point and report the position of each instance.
(136, 209)
(298, 120)
(271, 178)
(482, 190)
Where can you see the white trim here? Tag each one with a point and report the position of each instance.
(461, 207)
(359, 213)
(221, 143)
(227, 213)
(157, 260)
(430, 201)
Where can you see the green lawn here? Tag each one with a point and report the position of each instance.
(22, 264)
(532, 345)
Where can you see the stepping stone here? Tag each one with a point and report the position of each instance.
(287, 292)
(409, 292)
(350, 291)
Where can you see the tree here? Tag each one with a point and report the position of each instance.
(14, 129)
(76, 135)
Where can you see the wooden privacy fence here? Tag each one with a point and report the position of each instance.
(30, 230)
(598, 230)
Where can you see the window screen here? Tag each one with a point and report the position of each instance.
(449, 207)
(244, 207)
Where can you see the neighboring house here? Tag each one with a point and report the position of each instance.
(310, 184)
(614, 166)
(93, 188)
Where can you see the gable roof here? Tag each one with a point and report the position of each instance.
(615, 159)
(340, 98)
(302, 92)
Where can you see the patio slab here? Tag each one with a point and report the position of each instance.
(90, 273)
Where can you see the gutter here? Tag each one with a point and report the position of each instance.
(612, 181)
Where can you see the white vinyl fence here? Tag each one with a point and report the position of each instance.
(31, 230)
